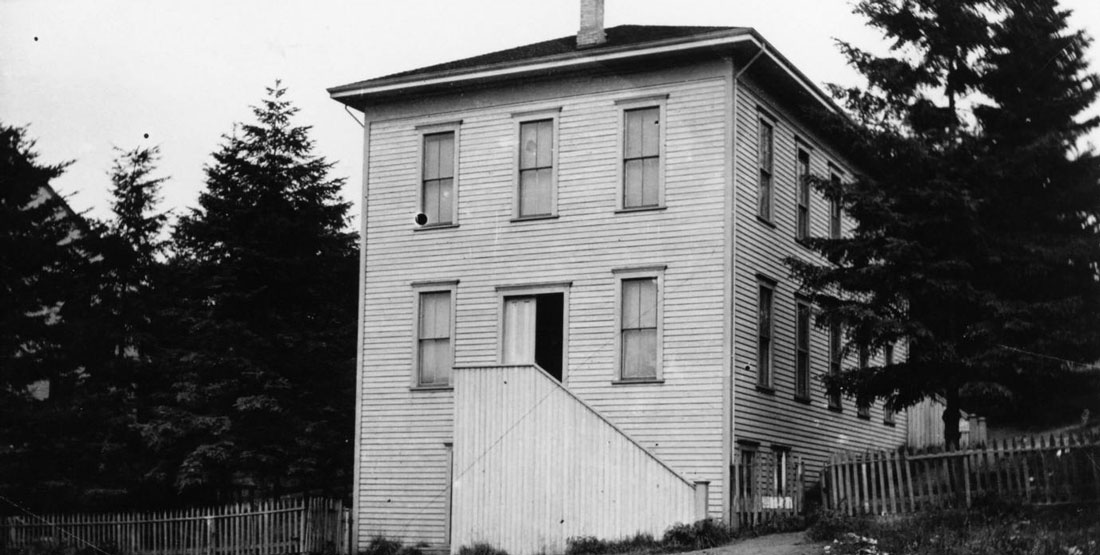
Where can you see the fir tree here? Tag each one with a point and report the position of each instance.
(264, 370)
(935, 261)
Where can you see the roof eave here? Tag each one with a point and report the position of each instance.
(572, 60)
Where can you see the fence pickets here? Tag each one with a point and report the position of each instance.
(270, 527)
(1045, 470)
(757, 500)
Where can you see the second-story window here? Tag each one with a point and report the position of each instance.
(642, 157)
(765, 160)
(802, 225)
(765, 329)
(536, 192)
(437, 178)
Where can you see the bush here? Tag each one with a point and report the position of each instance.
(588, 545)
(680, 537)
(382, 546)
(481, 549)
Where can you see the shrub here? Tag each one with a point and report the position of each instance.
(380, 545)
(701, 535)
(481, 549)
(588, 545)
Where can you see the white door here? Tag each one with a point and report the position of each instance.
(519, 330)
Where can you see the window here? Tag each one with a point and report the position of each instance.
(643, 167)
(437, 191)
(639, 334)
(834, 362)
(639, 328)
(780, 481)
(746, 472)
(765, 159)
(802, 349)
(764, 329)
(536, 178)
(863, 409)
(834, 207)
(434, 349)
(802, 225)
(887, 410)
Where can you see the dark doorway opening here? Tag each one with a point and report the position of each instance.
(549, 324)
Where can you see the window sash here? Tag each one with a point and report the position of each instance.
(437, 179)
(765, 156)
(434, 338)
(835, 212)
(782, 465)
(802, 226)
(639, 328)
(746, 473)
(834, 361)
(863, 410)
(887, 411)
(765, 325)
(536, 167)
(802, 369)
(641, 157)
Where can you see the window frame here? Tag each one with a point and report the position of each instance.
(747, 476)
(419, 289)
(803, 229)
(504, 292)
(625, 105)
(422, 132)
(621, 275)
(836, 211)
(765, 200)
(836, 356)
(519, 119)
(781, 465)
(765, 380)
(803, 345)
(888, 414)
(864, 410)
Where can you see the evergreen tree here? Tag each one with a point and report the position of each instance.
(934, 261)
(264, 366)
(49, 269)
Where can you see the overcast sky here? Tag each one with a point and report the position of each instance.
(90, 75)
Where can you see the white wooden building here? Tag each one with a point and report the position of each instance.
(576, 320)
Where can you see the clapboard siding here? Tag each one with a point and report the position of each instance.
(762, 418)
(403, 458)
(520, 436)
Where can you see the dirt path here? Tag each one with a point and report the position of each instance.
(792, 543)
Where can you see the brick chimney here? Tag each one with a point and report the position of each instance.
(591, 32)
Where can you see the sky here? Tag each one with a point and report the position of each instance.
(90, 76)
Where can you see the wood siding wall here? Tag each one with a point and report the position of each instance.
(403, 478)
(764, 419)
(534, 466)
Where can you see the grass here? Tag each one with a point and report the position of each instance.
(679, 537)
(997, 529)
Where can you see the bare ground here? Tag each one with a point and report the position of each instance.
(791, 543)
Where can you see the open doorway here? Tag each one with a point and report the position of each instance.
(534, 331)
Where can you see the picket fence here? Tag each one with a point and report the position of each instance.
(270, 527)
(1047, 470)
(758, 498)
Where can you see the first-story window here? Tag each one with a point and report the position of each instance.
(764, 331)
(802, 341)
(887, 410)
(437, 192)
(746, 472)
(835, 353)
(433, 340)
(781, 471)
(863, 409)
(639, 328)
